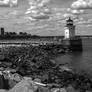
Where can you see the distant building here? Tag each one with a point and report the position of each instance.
(2, 31)
(69, 29)
(23, 34)
(10, 33)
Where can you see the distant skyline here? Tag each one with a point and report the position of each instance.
(47, 17)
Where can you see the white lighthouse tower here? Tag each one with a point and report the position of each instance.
(69, 30)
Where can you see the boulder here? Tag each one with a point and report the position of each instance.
(88, 91)
(37, 80)
(16, 77)
(71, 89)
(12, 83)
(26, 85)
(58, 90)
(63, 90)
(43, 89)
(2, 90)
(55, 90)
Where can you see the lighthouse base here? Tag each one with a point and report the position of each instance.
(73, 44)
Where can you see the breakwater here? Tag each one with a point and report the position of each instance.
(74, 44)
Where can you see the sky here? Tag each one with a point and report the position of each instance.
(46, 17)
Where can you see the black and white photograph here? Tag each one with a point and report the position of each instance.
(45, 45)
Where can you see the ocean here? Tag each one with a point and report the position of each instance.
(79, 61)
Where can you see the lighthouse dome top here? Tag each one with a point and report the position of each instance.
(69, 21)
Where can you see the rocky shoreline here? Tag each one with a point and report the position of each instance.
(38, 63)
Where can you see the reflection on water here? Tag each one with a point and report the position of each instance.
(81, 61)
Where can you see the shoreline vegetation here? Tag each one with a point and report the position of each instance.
(37, 62)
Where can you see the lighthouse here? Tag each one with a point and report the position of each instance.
(71, 41)
(69, 30)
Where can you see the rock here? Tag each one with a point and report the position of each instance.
(2, 90)
(0, 72)
(65, 68)
(37, 80)
(44, 78)
(58, 90)
(16, 77)
(27, 78)
(12, 83)
(23, 86)
(53, 61)
(88, 91)
(71, 89)
(63, 90)
(55, 90)
(1, 69)
(43, 89)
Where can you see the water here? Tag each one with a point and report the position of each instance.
(80, 61)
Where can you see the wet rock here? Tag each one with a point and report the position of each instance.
(5, 64)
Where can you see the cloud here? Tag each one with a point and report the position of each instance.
(89, 25)
(82, 4)
(75, 11)
(84, 22)
(13, 3)
(9, 3)
(67, 15)
(40, 16)
(38, 9)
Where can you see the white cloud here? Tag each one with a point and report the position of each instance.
(38, 9)
(8, 3)
(13, 3)
(89, 25)
(82, 4)
(84, 22)
(40, 16)
(75, 11)
(67, 15)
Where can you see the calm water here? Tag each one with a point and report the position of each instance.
(81, 61)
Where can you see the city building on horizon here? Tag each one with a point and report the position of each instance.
(2, 32)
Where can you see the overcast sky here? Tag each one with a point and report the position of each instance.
(46, 17)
